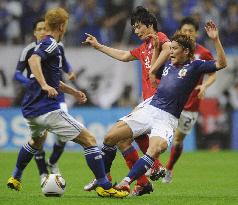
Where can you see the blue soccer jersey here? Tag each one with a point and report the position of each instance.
(177, 83)
(36, 101)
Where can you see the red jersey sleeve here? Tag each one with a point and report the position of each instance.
(136, 52)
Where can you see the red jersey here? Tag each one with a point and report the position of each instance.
(144, 54)
(193, 101)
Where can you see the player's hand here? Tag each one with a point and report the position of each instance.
(155, 39)
(153, 80)
(211, 30)
(91, 40)
(80, 97)
(50, 90)
(72, 76)
(202, 89)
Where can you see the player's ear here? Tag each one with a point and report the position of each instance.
(186, 51)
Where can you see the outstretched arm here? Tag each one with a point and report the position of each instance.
(35, 65)
(212, 32)
(114, 53)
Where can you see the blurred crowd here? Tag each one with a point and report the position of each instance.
(109, 21)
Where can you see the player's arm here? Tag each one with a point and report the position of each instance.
(35, 66)
(212, 32)
(79, 95)
(118, 54)
(207, 83)
(161, 59)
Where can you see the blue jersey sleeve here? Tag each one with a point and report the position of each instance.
(21, 78)
(160, 72)
(207, 66)
(46, 48)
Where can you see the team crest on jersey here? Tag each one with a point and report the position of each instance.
(182, 73)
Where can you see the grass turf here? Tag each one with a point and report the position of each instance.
(199, 178)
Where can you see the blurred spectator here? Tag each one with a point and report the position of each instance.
(31, 11)
(87, 18)
(5, 18)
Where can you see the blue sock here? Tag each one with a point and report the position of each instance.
(109, 154)
(140, 167)
(40, 162)
(58, 149)
(24, 157)
(95, 162)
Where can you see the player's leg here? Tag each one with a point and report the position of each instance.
(58, 149)
(75, 131)
(185, 125)
(40, 159)
(130, 154)
(157, 146)
(25, 155)
(162, 126)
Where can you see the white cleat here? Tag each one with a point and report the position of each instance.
(168, 177)
(91, 185)
(53, 168)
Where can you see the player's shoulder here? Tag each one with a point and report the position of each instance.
(162, 35)
(49, 44)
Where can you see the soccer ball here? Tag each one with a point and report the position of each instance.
(53, 185)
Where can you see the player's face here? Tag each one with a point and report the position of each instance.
(178, 54)
(190, 30)
(39, 32)
(142, 31)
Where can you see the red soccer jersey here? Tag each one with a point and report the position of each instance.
(144, 54)
(193, 101)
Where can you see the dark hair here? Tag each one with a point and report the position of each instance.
(189, 20)
(185, 41)
(142, 15)
(41, 19)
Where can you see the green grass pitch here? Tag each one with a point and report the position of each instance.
(199, 178)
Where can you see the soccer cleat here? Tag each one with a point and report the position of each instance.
(54, 169)
(123, 185)
(91, 185)
(168, 177)
(112, 192)
(141, 190)
(157, 173)
(13, 183)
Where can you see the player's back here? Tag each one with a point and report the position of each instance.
(36, 101)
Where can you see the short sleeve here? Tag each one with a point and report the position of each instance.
(160, 72)
(207, 66)
(46, 48)
(136, 52)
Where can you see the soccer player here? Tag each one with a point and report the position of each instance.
(189, 114)
(58, 148)
(179, 76)
(144, 23)
(41, 109)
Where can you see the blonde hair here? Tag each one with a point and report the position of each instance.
(55, 17)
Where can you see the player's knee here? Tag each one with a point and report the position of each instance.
(157, 148)
(36, 143)
(178, 138)
(109, 139)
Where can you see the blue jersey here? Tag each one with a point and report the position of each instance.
(177, 83)
(36, 101)
(23, 65)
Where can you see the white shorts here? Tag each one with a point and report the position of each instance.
(145, 102)
(186, 121)
(153, 121)
(58, 122)
(63, 106)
